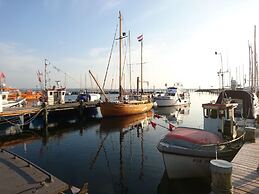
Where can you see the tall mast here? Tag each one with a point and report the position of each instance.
(130, 62)
(255, 62)
(120, 57)
(249, 75)
(45, 74)
(141, 63)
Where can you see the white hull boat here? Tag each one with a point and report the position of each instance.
(164, 101)
(187, 151)
(174, 96)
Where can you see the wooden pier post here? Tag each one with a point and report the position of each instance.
(250, 134)
(1, 103)
(221, 172)
(45, 114)
(81, 109)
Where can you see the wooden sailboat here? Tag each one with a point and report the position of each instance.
(123, 106)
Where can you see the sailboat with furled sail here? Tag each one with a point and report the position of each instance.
(133, 104)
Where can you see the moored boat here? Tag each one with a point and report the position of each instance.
(175, 95)
(248, 105)
(187, 151)
(125, 106)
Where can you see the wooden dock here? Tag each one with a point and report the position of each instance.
(245, 175)
(56, 107)
(20, 176)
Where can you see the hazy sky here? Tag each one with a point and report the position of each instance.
(180, 39)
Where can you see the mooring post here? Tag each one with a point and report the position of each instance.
(45, 114)
(221, 172)
(1, 102)
(250, 134)
(81, 108)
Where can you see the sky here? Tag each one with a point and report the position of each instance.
(75, 36)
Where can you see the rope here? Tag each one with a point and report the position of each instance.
(26, 123)
(110, 56)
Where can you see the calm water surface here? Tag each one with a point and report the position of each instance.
(116, 155)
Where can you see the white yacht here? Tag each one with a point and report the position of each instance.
(175, 95)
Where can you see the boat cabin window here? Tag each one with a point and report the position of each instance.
(50, 93)
(213, 114)
(206, 112)
(63, 93)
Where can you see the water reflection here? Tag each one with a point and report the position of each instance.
(123, 126)
(183, 186)
(174, 114)
(117, 155)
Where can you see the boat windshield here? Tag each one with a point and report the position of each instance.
(171, 91)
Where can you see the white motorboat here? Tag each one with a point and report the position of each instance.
(187, 151)
(5, 103)
(175, 95)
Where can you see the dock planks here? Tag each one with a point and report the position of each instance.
(245, 175)
(18, 177)
(57, 107)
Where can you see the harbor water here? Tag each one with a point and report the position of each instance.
(116, 155)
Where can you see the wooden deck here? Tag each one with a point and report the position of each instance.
(245, 175)
(18, 177)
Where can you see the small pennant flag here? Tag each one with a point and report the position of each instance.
(2, 75)
(140, 38)
(153, 124)
(171, 127)
(158, 116)
(39, 75)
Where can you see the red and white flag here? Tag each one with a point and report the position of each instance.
(140, 38)
(2, 75)
(158, 116)
(153, 124)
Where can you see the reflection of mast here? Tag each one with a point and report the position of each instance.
(142, 154)
(99, 149)
(123, 187)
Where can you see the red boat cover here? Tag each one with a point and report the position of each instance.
(194, 136)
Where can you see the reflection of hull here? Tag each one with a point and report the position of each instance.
(110, 109)
(170, 110)
(116, 123)
(180, 186)
(56, 118)
(173, 113)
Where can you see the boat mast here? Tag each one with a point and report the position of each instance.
(120, 57)
(130, 62)
(255, 63)
(45, 75)
(141, 64)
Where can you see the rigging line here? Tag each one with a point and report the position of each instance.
(125, 56)
(110, 56)
(67, 74)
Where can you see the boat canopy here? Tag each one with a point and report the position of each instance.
(194, 136)
(246, 103)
